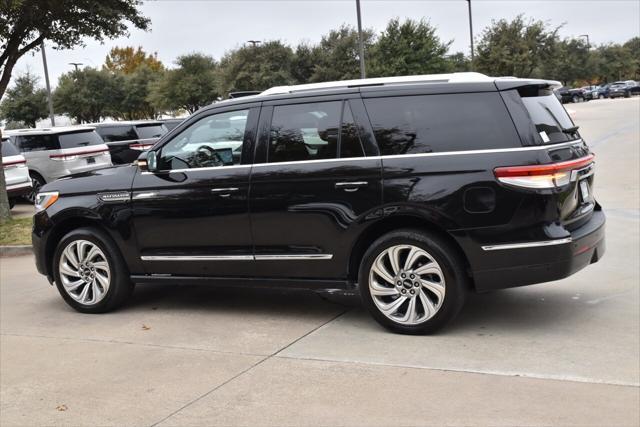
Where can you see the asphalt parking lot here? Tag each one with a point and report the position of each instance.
(562, 353)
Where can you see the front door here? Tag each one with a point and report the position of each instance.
(191, 215)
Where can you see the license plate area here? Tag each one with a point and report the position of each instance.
(91, 160)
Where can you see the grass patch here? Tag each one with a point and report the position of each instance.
(16, 232)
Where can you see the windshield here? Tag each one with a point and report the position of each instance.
(550, 118)
(79, 139)
(150, 131)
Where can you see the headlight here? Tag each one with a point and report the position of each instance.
(44, 200)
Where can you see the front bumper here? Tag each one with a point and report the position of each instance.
(545, 263)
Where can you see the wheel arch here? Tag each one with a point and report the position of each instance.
(397, 222)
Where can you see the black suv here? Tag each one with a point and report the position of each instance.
(413, 190)
(127, 139)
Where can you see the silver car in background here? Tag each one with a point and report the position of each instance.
(56, 152)
(16, 173)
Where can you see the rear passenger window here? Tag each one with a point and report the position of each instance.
(79, 139)
(304, 132)
(28, 143)
(437, 123)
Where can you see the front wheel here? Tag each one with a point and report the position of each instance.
(600, 96)
(412, 282)
(89, 271)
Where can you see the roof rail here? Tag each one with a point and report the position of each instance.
(381, 81)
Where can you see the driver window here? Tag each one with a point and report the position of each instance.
(214, 140)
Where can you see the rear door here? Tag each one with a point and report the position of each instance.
(312, 186)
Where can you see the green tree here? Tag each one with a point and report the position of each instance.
(127, 60)
(256, 67)
(515, 48)
(458, 62)
(25, 102)
(193, 84)
(25, 24)
(135, 102)
(337, 55)
(633, 47)
(408, 48)
(88, 95)
(568, 63)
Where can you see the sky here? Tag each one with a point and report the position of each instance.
(215, 26)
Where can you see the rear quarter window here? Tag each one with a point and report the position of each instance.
(29, 143)
(150, 131)
(79, 139)
(440, 123)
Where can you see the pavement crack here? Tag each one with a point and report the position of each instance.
(258, 363)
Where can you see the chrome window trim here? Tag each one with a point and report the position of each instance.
(394, 156)
(286, 257)
(527, 244)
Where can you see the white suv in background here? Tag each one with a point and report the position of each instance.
(56, 152)
(16, 174)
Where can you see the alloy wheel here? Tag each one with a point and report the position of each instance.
(407, 284)
(84, 272)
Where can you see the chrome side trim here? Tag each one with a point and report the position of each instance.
(527, 244)
(197, 258)
(289, 257)
(397, 156)
(149, 195)
(293, 257)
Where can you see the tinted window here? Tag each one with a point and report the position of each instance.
(79, 139)
(171, 124)
(8, 149)
(150, 131)
(304, 132)
(350, 144)
(550, 118)
(214, 140)
(436, 123)
(28, 143)
(117, 133)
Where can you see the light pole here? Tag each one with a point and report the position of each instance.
(360, 41)
(254, 43)
(587, 37)
(470, 32)
(76, 65)
(46, 79)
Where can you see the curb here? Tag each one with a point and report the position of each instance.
(15, 250)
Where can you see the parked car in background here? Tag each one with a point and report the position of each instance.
(588, 92)
(127, 139)
(53, 153)
(411, 190)
(601, 92)
(170, 124)
(566, 94)
(16, 173)
(621, 89)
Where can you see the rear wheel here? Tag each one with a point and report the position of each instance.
(575, 99)
(601, 96)
(412, 282)
(89, 271)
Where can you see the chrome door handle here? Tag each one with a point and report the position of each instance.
(224, 192)
(351, 186)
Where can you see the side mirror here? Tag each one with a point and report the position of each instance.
(147, 161)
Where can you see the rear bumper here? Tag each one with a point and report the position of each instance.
(546, 262)
(17, 190)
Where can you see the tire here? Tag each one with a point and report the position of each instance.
(36, 182)
(12, 203)
(574, 99)
(600, 96)
(100, 296)
(446, 276)
(627, 94)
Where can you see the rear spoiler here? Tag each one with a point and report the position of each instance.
(506, 83)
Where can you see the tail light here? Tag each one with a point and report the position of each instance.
(77, 154)
(542, 176)
(140, 147)
(13, 164)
